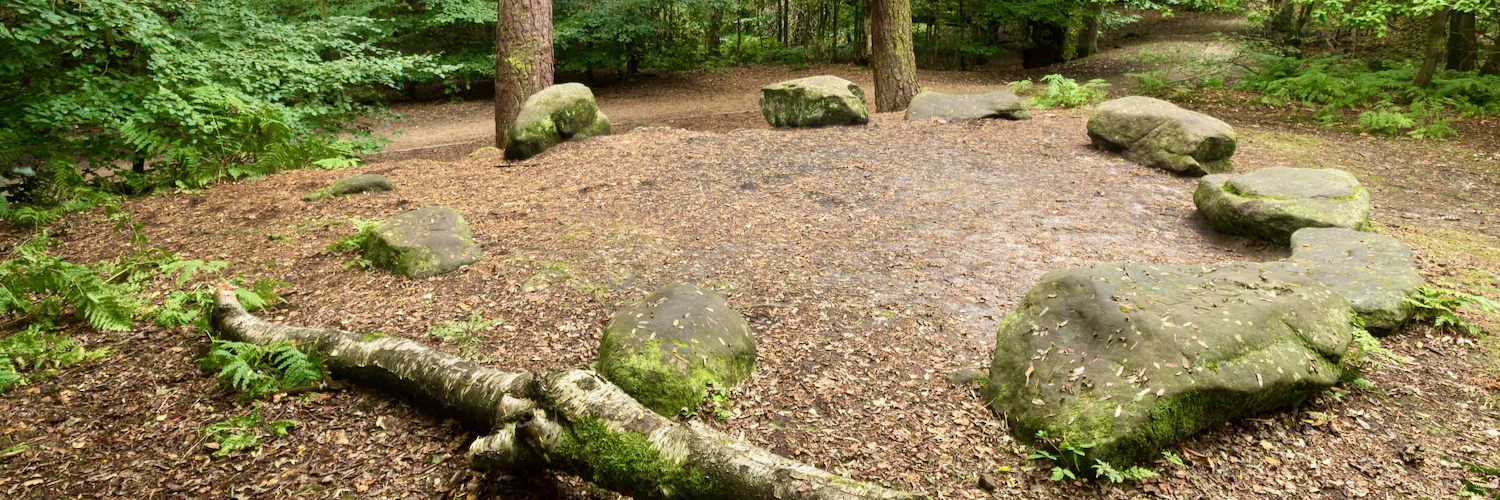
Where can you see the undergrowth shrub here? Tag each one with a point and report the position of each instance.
(354, 244)
(38, 286)
(1060, 91)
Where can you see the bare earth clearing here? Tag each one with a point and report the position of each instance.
(872, 262)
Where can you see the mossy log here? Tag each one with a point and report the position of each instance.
(571, 421)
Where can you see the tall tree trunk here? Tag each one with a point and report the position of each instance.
(712, 34)
(1285, 30)
(523, 57)
(1088, 34)
(571, 421)
(1463, 42)
(862, 33)
(1046, 45)
(895, 63)
(1435, 28)
(1492, 64)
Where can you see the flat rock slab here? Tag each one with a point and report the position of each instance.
(1273, 203)
(1127, 359)
(1157, 133)
(965, 107)
(423, 242)
(666, 349)
(563, 112)
(1374, 272)
(815, 101)
(363, 183)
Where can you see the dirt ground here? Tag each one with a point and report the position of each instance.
(872, 262)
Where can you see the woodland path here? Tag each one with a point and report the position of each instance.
(726, 99)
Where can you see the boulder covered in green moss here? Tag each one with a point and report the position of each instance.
(558, 113)
(1374, 272)
(1122, 360)
(666, 349)
(420, 243)
(956, 108)
(363, 183)
(1159, 134)
(815, 101)
(1273, 203)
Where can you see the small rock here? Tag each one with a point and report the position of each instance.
(955, 108)
(988, 482)
(564, 112)
(421, 243)
(364, 183)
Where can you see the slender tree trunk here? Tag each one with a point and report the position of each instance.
(1284, 27)
(570, 421)
(523, 57)
(1435, 28)
(1463, 42)
(1088, 34)
(862, 33)
(895, 63)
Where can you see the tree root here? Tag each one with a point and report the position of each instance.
(570, 421)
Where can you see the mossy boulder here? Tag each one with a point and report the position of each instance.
(1273, 203)
(1374, 272)
(363, 183)
(1122, 360)
(815, 101)
(420, 243)
(1157, 133)
(558, 113)
(666, 349)
(965, 107)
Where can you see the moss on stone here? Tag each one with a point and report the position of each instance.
(625, 461)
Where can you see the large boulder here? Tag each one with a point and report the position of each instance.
(1273, 203)
(955, 108)
(1374, 272)
(815, 101)
(1122, 360)
(1157, 133)
(420, 243)
(363, 183)
(558, 113)
(667, 348)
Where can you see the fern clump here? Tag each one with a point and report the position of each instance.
(255, 370)
(1064, 92)
(37, 352)
(245, 432)
(39, 286)
(354, 244)
(1443, 307)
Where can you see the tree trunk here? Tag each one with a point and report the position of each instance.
(862, 34)
(1046, 46)
(711, 35)
(1435, 28)
(523, 57)
(570, 421)
(1088, 34)
(895, 63)
(1285, 31)
(1463, 42)
(1492, 65)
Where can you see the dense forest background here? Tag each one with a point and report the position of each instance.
(170, 94)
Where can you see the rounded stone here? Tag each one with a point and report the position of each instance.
(1272, 203)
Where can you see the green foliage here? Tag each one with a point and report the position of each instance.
(717, 401)
(1443, 307)
(255, 371)
(355, 243)
(1332, 84)
(190, 92)
(36, 352)
(1103, 470)
(1173, 458)
(37, 285)
(245, 432)
(1064, 92)
(464, 333)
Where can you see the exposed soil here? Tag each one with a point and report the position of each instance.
(872, 262)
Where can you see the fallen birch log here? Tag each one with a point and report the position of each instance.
(570, 421)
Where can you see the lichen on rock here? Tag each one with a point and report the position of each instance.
(815, 101)
(1157, 133)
